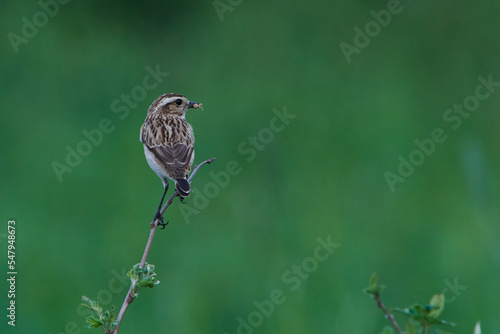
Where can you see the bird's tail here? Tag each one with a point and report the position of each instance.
(183, 187)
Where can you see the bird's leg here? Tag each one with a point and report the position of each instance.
(158, 212)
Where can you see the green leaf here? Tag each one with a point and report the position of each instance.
(411, 312)
(371, 291)
(91, 305)
(437, 304)
(143, 277)
(93, 322)
(421, 314)
(410, 329)
(106, 320)
(373, 288)
(434, 321)
(419, 309)
(373, 280)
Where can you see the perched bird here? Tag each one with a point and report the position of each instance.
(168, 143)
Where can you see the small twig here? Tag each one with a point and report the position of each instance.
(387, 313)
(154, 224)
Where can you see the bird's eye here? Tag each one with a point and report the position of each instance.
(178, 102)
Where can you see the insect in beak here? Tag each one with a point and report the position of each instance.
(195, 105)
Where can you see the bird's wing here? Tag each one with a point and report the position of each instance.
(179, 153)
(175, 157)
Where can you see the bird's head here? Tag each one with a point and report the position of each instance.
(172, 104)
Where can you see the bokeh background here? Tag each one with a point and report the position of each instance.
(322, 175)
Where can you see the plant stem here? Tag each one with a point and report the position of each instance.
(154, 224)
(387, 313)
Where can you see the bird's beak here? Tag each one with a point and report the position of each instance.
(195, 105)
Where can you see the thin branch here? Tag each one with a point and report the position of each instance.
(154, 224)
(387, 313)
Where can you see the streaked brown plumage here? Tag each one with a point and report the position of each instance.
(168, 142)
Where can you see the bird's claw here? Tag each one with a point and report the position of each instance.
(161, 222)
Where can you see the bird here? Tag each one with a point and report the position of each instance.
(168, 141)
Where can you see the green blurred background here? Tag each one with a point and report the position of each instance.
(322, 175)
